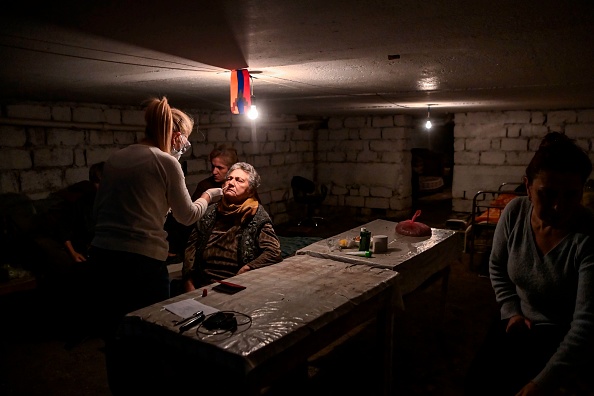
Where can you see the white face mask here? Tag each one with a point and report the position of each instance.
(185, 147)
(176, 154)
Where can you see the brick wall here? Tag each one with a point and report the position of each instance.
(491, 148)
(365, 161)
(47, 147)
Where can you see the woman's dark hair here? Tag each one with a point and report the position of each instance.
(96, 172)
(559, 153)
(228, 154)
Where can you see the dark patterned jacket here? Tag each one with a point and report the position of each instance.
(257, 246)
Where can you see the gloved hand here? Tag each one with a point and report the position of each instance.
(215, 194)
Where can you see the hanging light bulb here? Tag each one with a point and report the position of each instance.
(253, 111)
(428, 124)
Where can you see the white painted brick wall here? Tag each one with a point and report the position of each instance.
(113, 116)
(101, 138)
(124, 138)
(513, 131)
(577, 131)
(9, 182)
(64, 137)
(133, 117)
(516, 117)
(383, 121)
(518, 158)
(335, 123)
(36, 136)
(15, 159)
(403, 121)
(98, 154)
(482, 166)
(537, 117)
(61, 113)
(74, 175)
(561, 117)
(531, 130)
(88, 114)
(52, 157)
(36, 181)
(355, 122)
(585, 116)
(12, 136)
(43, 158)
(365, 161)
(27, 111)
(518, 144)
(478, 144)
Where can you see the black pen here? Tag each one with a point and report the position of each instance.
(183, 321)
(195, 321)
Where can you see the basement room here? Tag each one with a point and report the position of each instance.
(287, 198)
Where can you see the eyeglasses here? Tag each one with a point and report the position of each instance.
(185, 145)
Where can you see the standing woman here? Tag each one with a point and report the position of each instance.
(140, 184)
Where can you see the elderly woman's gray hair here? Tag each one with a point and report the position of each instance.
(253, 178)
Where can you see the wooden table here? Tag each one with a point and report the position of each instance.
(297, 307)
(417, 259)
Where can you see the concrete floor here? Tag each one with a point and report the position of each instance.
(37, 356)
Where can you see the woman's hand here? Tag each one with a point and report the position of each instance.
(76, 256)
(531, 389)
(243, 269)
(189, 285)
(79, 258)
(214, 194)
(518, 323)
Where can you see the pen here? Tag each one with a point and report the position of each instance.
(192, 322)
(183, 321)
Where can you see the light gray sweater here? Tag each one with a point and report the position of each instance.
(557, 288)
(140, 184)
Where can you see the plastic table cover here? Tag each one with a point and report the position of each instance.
(287, 303)
(415, 258)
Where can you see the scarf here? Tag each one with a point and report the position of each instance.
(246, 209)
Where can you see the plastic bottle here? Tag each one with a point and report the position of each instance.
(365, 241)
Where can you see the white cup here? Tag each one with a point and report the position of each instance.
(379, 243)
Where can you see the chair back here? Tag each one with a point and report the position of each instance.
(302, 184)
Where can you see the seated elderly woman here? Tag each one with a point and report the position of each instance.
(235, 235)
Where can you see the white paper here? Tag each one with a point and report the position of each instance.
(189, 307)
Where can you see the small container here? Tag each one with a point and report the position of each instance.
(365, 239)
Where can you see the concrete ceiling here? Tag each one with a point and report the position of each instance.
(307, 57)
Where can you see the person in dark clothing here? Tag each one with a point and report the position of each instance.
(65, 229)
(234, 236)
(63, 234)
(221, 158)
